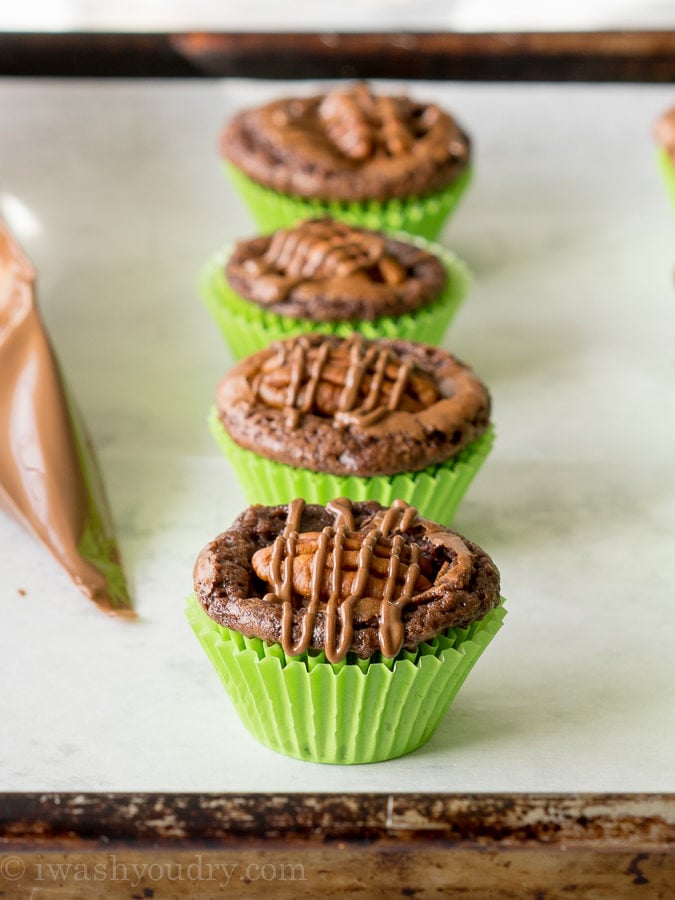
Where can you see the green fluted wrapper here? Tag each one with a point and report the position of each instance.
(354, 711)
(668, 172)
(424, 216)
(248, 327)
(435, 491)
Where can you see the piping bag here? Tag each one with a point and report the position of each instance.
(49, 479)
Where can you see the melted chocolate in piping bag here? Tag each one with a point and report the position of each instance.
(48, 476)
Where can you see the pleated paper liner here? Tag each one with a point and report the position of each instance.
(248, 327)
(667, 167)
(435, 491)
(424, 216)
(355, 711)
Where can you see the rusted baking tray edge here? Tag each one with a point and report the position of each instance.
(309, 845)
(616, 56)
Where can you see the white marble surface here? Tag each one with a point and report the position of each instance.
(117, 193)
(348, 15)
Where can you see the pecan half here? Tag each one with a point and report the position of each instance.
(350, 566)
(362, 125)
(328, 379)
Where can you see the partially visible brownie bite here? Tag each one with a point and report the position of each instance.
(664, 132)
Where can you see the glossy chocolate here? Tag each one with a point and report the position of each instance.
(48, 476)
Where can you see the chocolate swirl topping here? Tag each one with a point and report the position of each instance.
(349, 144)
(326, 270)
(371, 579)
(353, 406)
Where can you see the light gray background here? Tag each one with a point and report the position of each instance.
(348, 15)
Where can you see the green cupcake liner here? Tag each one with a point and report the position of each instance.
(248, 328)
(354, 711)
(667, 168)
(435, 491)
(424, 216)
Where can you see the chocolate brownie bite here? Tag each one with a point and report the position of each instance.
(353, 407)
(326, 270)
(320, 416)
(349, 144)
(386, 161)
(343, 631)
(348, 577)
(328, 276)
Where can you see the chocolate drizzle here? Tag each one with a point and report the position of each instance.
(399, 515)
(343, 578)
(387, 570)
(360, 361)
(321, 250)
(373, 370)
(341, 508)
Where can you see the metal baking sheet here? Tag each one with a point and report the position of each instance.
(117, 195)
